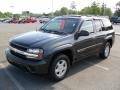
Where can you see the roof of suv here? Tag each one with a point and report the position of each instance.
(82, 17)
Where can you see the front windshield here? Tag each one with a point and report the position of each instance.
(66, 25)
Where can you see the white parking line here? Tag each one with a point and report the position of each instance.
(12, 78)
(99, 66)
(117, 34)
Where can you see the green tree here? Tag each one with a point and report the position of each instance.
(1, 15)
(92, 10)
(105, 11)
(117, 12)
(26, 13)
(8, 14)
(118, 4)
(86, 10)
(17, 16)
(108, 12)
(57, 13)
(95, 10)
(70, 11)
(64, 11)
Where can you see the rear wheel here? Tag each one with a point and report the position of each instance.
(59, 67)
(105, 51)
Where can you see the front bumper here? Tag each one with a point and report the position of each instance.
(40, 67)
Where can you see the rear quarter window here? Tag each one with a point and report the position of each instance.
(107, 24)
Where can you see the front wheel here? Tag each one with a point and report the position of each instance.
(105, 51)
(59, 67)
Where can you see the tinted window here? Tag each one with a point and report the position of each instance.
(66, 25)
(87, 26)
(107, 24)
(98, 25)
(118, 18)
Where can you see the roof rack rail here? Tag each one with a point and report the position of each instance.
(73, 15)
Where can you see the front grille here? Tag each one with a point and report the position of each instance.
(18, 54)
(19, 47)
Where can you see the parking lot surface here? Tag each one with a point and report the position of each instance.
(88, 74)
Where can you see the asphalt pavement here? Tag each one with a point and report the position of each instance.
(89, 74)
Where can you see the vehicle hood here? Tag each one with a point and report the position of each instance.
(30, 38)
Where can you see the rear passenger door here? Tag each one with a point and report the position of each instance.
(99, 33)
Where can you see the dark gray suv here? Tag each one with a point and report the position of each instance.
(61, 42)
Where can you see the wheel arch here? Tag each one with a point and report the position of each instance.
(110, 41)
(68, 52)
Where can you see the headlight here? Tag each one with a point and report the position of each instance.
(36, 53)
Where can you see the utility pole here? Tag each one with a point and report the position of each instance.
(73, 6)
(12, 10)
(52, 9)
(104, 9)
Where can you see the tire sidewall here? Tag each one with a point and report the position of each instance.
(102, 52)
(53, 65)
(107, 44)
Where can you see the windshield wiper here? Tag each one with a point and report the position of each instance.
(58, 32)
(43, 29)
(52, 31)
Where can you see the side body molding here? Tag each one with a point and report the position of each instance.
(108, 37)
(63, 47)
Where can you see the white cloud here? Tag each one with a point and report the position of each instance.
(40, 6)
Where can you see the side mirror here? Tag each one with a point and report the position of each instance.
(82, 33)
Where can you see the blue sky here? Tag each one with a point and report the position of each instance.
(40, 6)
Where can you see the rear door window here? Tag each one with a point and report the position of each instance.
(98, 25)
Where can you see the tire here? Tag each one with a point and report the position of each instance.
(59, 67)
(105, 51)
